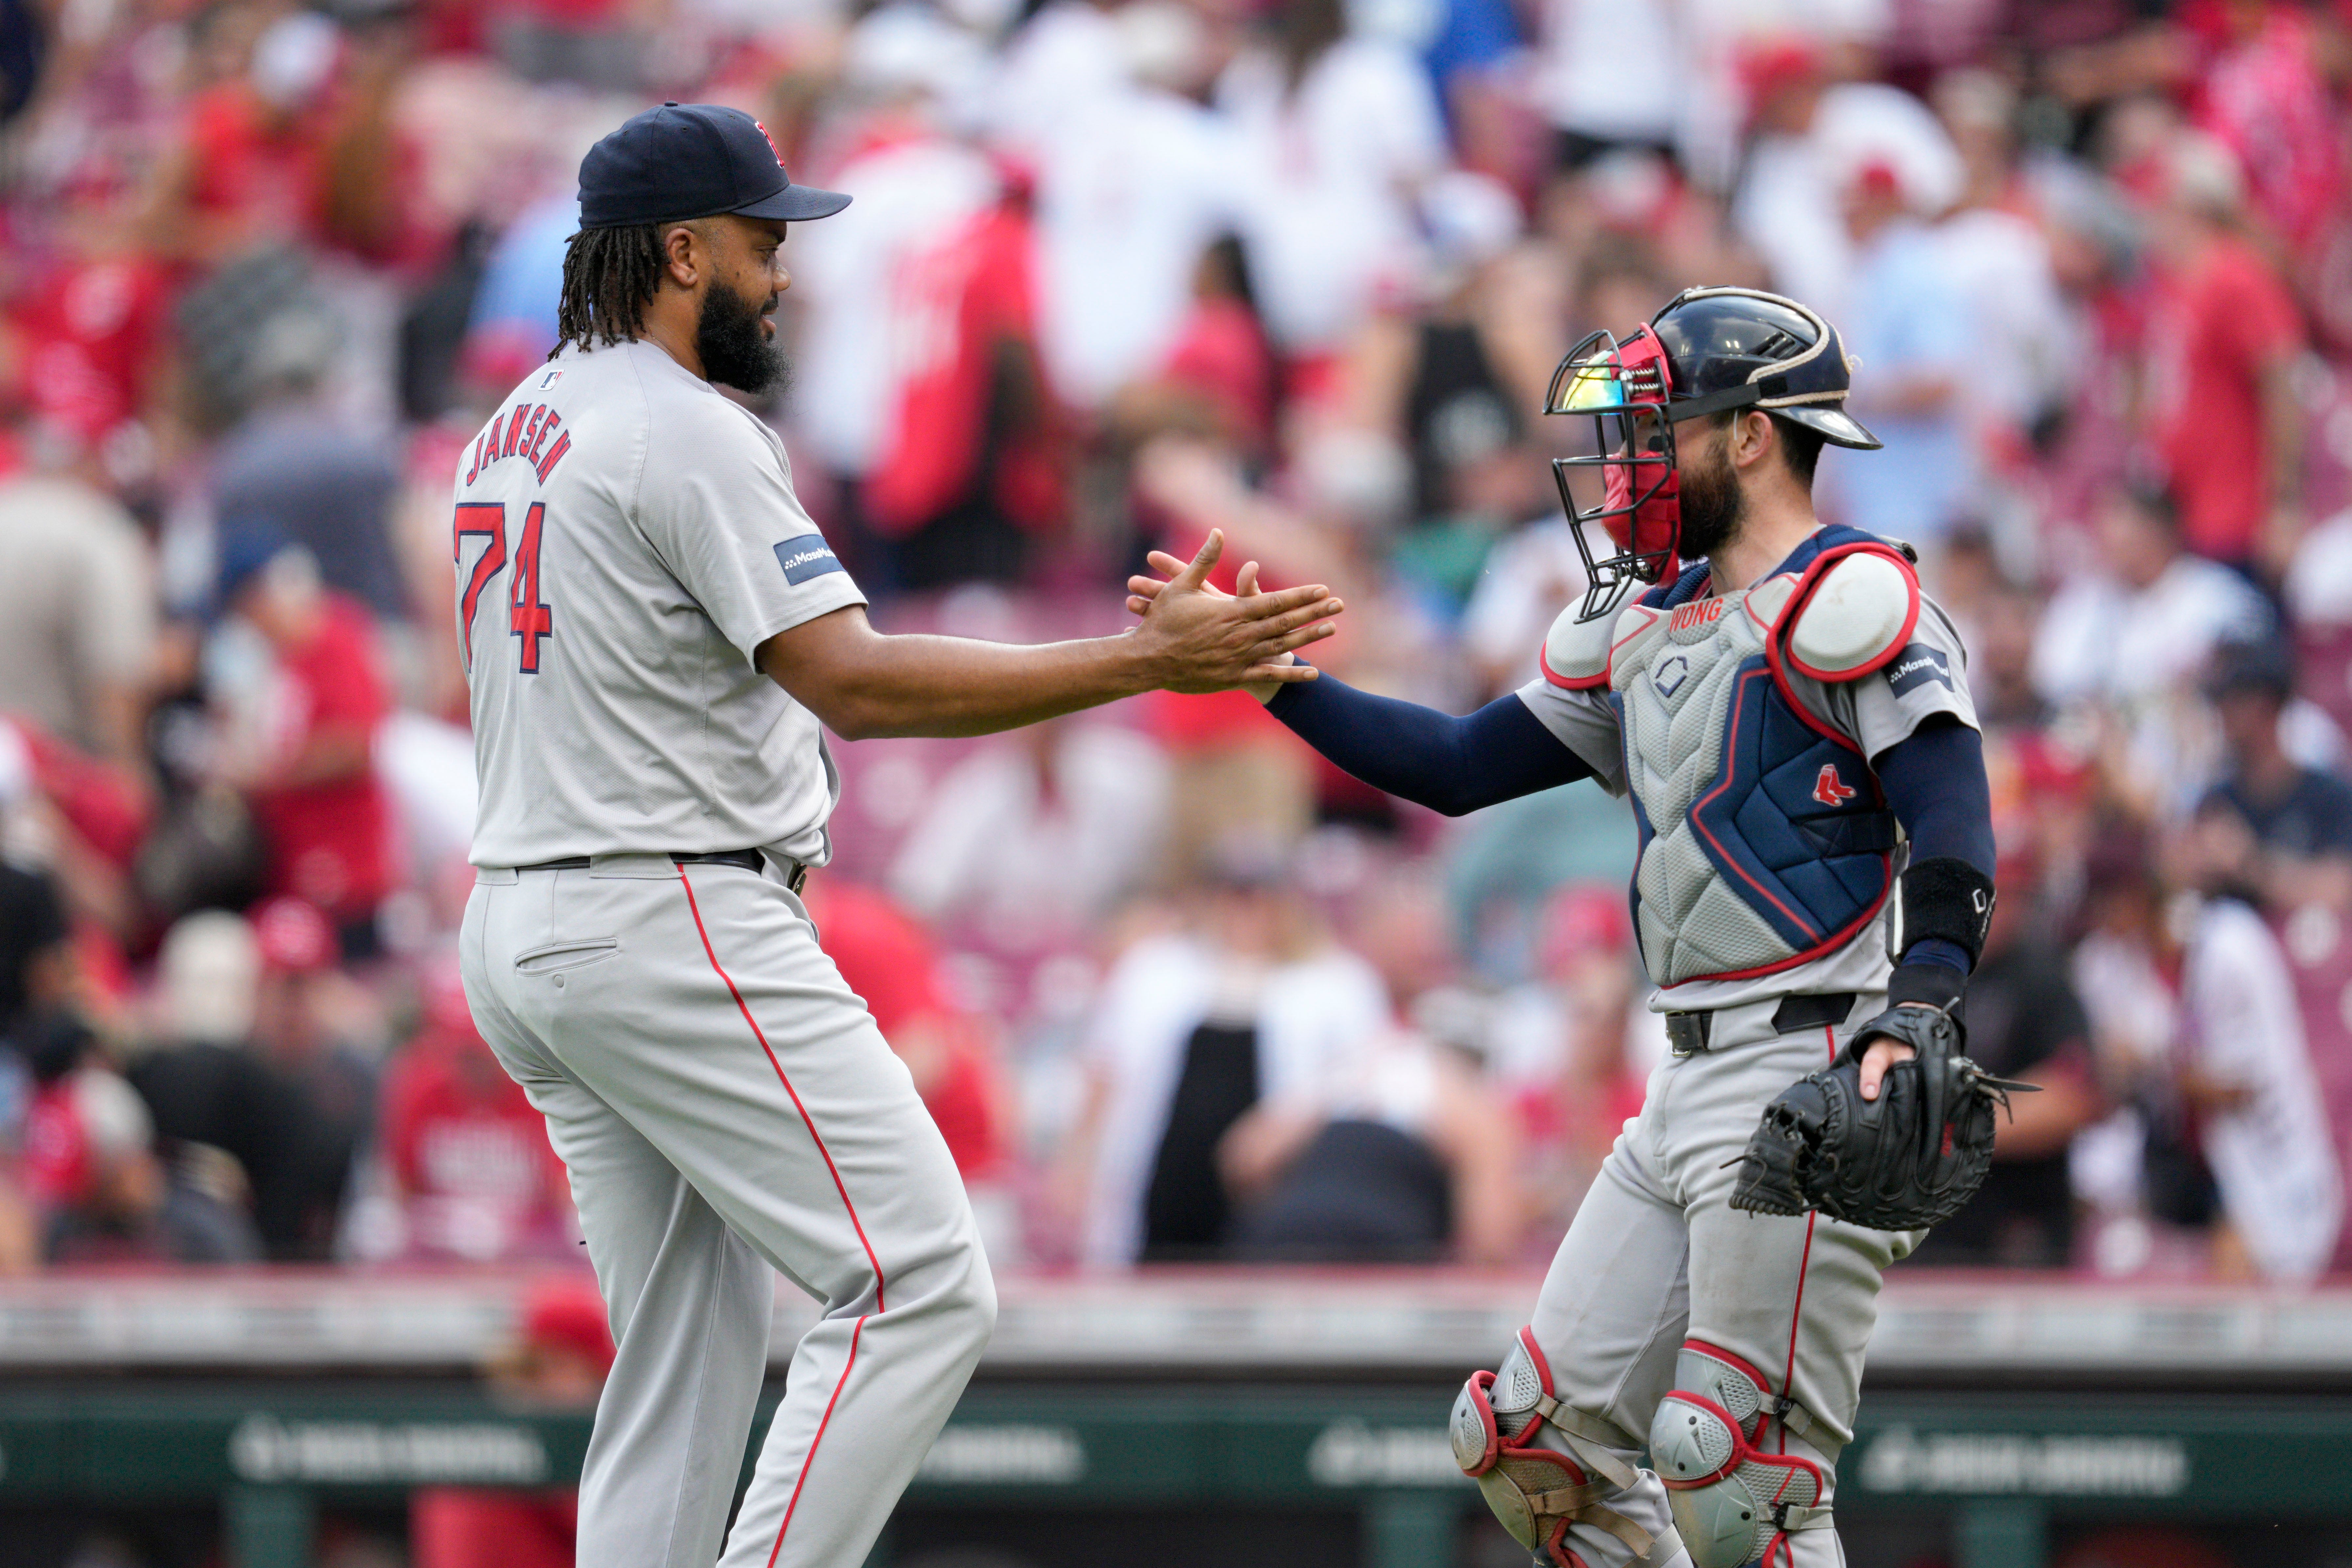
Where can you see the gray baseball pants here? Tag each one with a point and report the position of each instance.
(726, 1107)
(1656, 1255)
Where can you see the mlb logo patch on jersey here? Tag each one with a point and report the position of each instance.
(549, 379)
(806, 557)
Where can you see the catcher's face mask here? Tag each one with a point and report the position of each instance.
(1625, 388)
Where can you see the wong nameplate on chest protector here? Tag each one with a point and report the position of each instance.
(1764, 840)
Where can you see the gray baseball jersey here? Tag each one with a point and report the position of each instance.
(625, 538)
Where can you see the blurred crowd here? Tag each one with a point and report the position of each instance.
(1118, 271)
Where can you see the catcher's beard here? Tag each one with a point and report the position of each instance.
(1713, 505)
(734, 351)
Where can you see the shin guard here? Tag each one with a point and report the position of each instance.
(1541, 1466)
(1733, 1504)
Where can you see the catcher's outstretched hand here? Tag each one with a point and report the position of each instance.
(1142, 590)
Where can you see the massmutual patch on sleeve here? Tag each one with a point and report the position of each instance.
(1913, 668)
(806, 557)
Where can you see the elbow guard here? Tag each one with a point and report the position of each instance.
(1947, 898)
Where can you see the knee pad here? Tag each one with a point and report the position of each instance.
(1541, 1466)
(1733, 1504)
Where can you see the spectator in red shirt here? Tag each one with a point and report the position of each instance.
(974, 469)
(302, 735)
(2221, 350)
(467, 1155)
(89, 336)
(2267, 96)
(887, 958)
(1574, 1098)
(559, 1360)
(245, 167)
(1218, 377)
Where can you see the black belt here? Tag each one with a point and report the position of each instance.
(1686, 1033)
(746, 860)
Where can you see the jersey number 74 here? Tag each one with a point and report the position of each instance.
(529, 617)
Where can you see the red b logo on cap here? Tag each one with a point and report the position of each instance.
(761, 126)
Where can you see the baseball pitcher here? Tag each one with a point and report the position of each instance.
(653, 630)
(1790, 716)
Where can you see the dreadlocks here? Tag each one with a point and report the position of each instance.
(609, 277)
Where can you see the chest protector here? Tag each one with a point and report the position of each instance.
(1765, 839)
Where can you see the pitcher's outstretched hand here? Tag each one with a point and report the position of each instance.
(1208, 640)
(1141, 590)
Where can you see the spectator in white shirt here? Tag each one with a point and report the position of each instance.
(1063, 60)
(2266, 1127)
(1253, 1004)
(1338, 133)
(917, 186)
(2025, 360)
(1137, 181)
(2218, 1058)
(78, 631)
(1402, 1154)
(2130, 644)
(1035, 838)
(1610, 73)
(1906, 319)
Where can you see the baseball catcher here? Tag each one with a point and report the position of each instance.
(1790, 717)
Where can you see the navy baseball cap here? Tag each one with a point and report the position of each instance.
(689, 161)
(246, 546)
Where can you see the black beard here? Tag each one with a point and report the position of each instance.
(1712, 506)
(734, 351)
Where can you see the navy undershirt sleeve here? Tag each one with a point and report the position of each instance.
(1449, 765)
(1935, 780)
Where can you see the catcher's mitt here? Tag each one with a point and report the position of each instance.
(1902, 1161)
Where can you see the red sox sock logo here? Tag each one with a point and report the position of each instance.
(1830, 789)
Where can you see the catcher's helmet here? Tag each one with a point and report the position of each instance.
(1709, 351)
